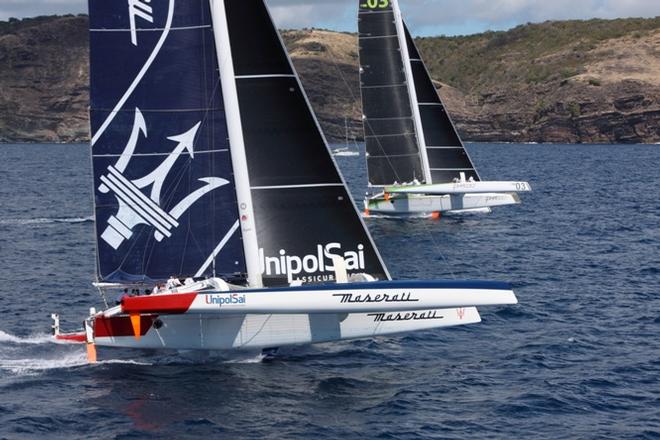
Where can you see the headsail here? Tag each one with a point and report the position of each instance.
(164, 194)
(446, 153)
(303, 212)
(394, 154)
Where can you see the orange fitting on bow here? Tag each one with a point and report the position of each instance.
(136, 320)
(91, 353)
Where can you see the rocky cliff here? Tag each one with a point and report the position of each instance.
(593, 81)
(44, 77)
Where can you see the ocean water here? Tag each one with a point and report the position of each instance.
(579, 357)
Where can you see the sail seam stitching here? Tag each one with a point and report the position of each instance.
(310, 185)
(182, 28)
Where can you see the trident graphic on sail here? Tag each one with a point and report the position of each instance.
(135, 208)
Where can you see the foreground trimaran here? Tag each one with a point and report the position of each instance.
(210, 166)
(414, 153)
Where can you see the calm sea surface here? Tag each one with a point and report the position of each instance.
(578, 358)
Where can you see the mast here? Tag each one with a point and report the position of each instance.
(237, 142)
(411, 90)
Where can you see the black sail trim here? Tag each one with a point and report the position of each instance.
(437, 125)
(390, 133)
(302, 207)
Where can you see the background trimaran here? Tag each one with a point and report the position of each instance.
(414, 153)
(210, 165)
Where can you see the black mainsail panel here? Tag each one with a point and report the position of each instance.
(303, 212)
(446, 153)
(390, 136)
(164, 193)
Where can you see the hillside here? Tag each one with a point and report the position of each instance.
(573, 81)
(44, 77)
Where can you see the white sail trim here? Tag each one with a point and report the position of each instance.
(217, 249)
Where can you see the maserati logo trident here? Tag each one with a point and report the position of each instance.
(134, 206)
(139, 8)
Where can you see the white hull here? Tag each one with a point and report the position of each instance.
(265, 318)
(461, 187)
(426, 205)
(208, 332)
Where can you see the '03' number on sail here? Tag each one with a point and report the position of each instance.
(376, 4)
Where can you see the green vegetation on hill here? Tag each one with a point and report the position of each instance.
(527, 54)
(14, 25)
(595, 81)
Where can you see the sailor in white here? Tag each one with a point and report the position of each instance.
(172, 283)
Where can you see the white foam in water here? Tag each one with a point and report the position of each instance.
(248, 360)
(50, 360)
(31, 366)
(122, 362)
(41, 221)
(32, 340)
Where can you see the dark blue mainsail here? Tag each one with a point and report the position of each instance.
(163, 184)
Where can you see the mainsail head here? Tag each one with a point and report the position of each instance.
(163, 183)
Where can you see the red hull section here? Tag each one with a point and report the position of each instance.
(174, 304)
(120, 326)
(76, 338)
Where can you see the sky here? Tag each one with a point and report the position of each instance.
(426, 17)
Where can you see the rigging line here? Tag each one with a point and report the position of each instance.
(355, 100)
(261, 328)
(177, 180)
(436, 245)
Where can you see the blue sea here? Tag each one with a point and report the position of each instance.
(579, 357)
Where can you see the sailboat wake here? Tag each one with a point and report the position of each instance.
(31, 340)
(35, 353)
(24, 356)
(44, 221)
